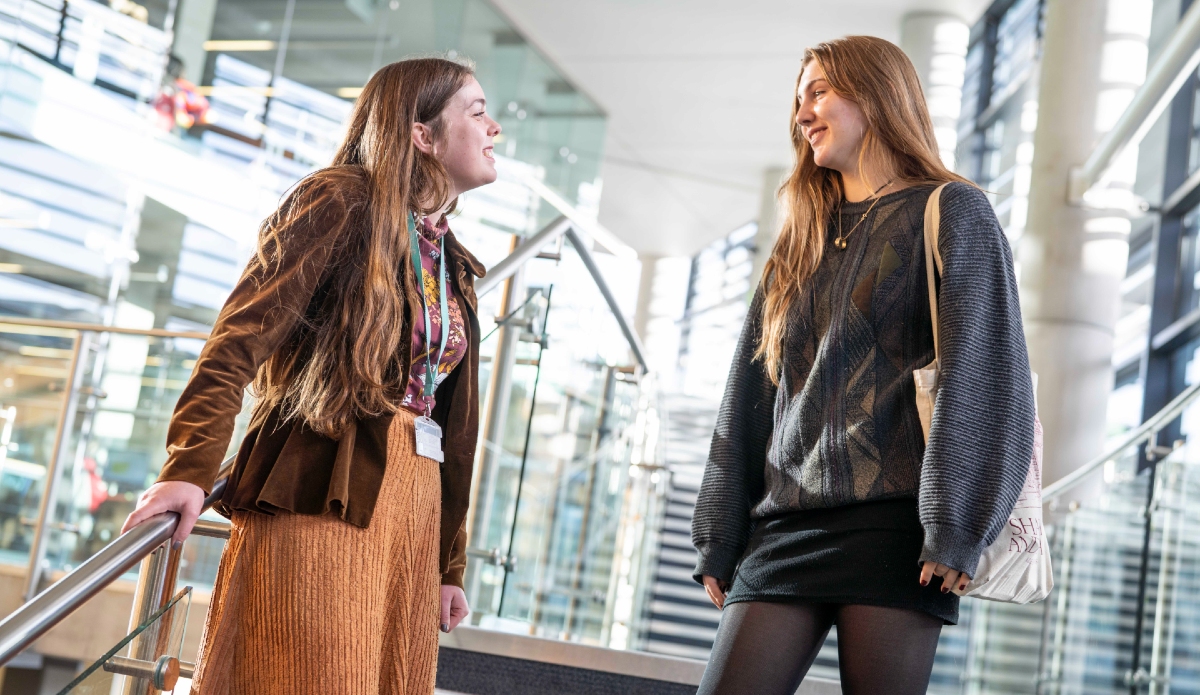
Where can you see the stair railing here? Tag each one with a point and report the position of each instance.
(148, 543)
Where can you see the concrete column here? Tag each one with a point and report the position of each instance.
(193, 26)
(936, 43)
(642, 315)
(770, 217)
(1070, 267)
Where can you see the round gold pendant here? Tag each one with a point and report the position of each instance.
(840, 243)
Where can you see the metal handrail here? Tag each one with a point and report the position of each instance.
(529, 248)
(1171, 69)
(98, 328)
(631, 336)
(1143, 434)
(51, 606)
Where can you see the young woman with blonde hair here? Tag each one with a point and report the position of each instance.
(821, 503)
(356, 322)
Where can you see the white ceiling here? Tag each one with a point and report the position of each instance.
(698, 96)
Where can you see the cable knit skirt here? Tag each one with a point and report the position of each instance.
(311, 604)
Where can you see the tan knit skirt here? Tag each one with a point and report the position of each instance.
(311, 604)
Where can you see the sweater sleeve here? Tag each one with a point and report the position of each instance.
(733, 475)
(264, 305)
(981, 437)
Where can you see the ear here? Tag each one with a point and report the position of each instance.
(422, 137)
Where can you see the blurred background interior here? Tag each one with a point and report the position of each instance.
(141, 143)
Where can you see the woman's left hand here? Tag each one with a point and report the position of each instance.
(951, 578)
(454, 607)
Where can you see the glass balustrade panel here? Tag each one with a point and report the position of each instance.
(560, 510)
(34, 364)
(113, 448)
(151, 649)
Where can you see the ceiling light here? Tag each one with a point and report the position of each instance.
(349, 92)
(235, 46)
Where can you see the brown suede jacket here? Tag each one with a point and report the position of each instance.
(285, 465)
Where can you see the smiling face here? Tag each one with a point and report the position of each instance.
(465, 147)
(832, 124)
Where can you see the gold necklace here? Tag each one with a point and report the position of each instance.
(840, 241)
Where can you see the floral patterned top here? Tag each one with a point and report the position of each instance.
(428, 235)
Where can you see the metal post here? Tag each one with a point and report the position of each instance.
(1135, 676)
(285, 34)
(66, 420)
(1170, 566)
(509, 566)
(586, 521)
(495, 416)
(155, 587)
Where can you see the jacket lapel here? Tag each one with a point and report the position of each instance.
(464, 262)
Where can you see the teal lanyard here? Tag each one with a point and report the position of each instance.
(430, 365)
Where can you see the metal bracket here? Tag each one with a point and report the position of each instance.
(1157, 453)
(1142, 677)
(494, 556)
(163, 674)
(212, 529)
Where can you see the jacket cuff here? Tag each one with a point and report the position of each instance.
(196, 475)
(456, 564)
(718, 561)
(952, 546)
(454, 577)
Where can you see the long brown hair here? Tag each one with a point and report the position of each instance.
(345, 360)
(880, 79)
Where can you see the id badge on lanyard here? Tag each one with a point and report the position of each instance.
(429, 438)
(427, 433)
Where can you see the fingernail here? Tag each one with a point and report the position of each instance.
(945, 589)
(924, 582)
(445, 627)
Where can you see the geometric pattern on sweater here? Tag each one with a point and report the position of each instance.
(843, 438)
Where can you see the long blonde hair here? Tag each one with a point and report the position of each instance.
(878, 77)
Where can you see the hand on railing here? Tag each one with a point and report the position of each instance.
(178, 496)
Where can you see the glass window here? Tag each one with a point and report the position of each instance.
(1194, 141)
(1189, 264)
(1016, 45)
(718, 294)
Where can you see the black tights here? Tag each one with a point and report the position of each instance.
(766, 648)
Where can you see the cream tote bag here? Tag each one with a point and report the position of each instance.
(1015, 568)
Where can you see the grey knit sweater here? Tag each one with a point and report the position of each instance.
(842, 426)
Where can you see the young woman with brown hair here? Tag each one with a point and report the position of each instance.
(357, 306)
(821, 503)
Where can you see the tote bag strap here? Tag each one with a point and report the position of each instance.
(933, 259)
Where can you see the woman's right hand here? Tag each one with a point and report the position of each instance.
(716, 591)
(169, 496)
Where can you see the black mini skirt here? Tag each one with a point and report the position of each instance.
(866, 554)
